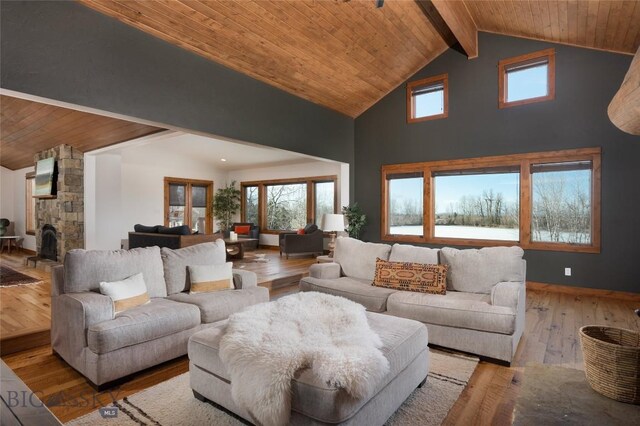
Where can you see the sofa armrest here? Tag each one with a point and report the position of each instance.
(73, 313)
(509, 294)
(244, 279)
(325, 271)
(57, 280)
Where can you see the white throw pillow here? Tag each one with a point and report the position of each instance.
(207, 278)
(126, 294)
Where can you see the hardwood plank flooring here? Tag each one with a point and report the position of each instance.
(550, 337)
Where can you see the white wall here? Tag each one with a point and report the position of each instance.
(12, 202)
(307, 169)
(127, 188)
(7, 202)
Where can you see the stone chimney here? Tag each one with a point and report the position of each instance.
(65, 212)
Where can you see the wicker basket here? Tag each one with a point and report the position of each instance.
(612, 361)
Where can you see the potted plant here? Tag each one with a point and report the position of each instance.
(356, 220)
(226, 203)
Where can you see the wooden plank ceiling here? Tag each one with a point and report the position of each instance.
(606, 25)
(346, 55)
(343, 55)
(28, 127)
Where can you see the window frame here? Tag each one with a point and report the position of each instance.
(30, 179)
(411, 104)
(505, 65)
(187, 216)
(262, 198)
(523, 162)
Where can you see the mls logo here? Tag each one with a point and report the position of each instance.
(109, 412)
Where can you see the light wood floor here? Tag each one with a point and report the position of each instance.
(551, 337)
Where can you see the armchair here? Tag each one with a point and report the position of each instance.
(293, 243)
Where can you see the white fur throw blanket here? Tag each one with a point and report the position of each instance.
(266, 344)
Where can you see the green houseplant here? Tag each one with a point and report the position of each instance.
(356, 219)
(226, 204)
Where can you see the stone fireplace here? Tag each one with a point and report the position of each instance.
(64, 214)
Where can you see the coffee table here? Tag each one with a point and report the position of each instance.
(314, 402)
(235, 248)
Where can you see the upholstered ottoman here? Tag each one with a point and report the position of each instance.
(316, 403)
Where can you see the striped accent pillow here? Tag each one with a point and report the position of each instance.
(126, 294)
(408, 276)
(207, 278)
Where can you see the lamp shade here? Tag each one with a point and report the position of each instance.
(333, 222)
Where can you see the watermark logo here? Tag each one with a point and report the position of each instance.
(109, 412)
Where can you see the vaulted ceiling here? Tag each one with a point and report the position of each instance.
(28, 127)
(348, 54)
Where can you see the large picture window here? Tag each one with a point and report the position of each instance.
(288, 204)
(547, 201)
(477, 204)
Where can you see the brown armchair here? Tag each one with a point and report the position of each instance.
(311, 242)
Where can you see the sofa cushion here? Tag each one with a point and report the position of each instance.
(402, 342)
(477, 271)
(156, 319)
(85, 269)
(358, 259)
(310, 228)
(407, 276)
(220, 304)
(175, 262)
(360, 291)
(146, 229)
(413, 254)
(455, 309)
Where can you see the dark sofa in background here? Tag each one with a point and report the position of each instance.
(173, 238)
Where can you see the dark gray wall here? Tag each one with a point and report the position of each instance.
(586, 80)
(65, 51)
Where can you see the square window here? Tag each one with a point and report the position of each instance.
(428, 99)
(527, 79)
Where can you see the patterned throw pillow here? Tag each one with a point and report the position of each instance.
(126, 294)
(407, 276)
(207, 278)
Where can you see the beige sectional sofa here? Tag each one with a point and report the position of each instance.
(105, 346)
(483, 311)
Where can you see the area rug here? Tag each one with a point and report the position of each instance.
(172, 402)
(10, 277)
(552, 395)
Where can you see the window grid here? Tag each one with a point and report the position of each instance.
(525, 163)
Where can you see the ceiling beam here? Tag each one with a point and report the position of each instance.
(458, 20)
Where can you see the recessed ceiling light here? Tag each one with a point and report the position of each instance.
(223, 159)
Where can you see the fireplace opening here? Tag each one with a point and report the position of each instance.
(49, 245)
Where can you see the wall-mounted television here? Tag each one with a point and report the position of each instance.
(46, 178)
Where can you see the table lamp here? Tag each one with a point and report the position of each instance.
(332, 223)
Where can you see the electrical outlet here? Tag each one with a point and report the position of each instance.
(567, 272)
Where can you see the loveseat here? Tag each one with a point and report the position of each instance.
(483, 311)
(105, 346)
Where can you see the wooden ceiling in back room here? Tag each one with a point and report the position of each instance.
(28, 127)
(347, 55)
